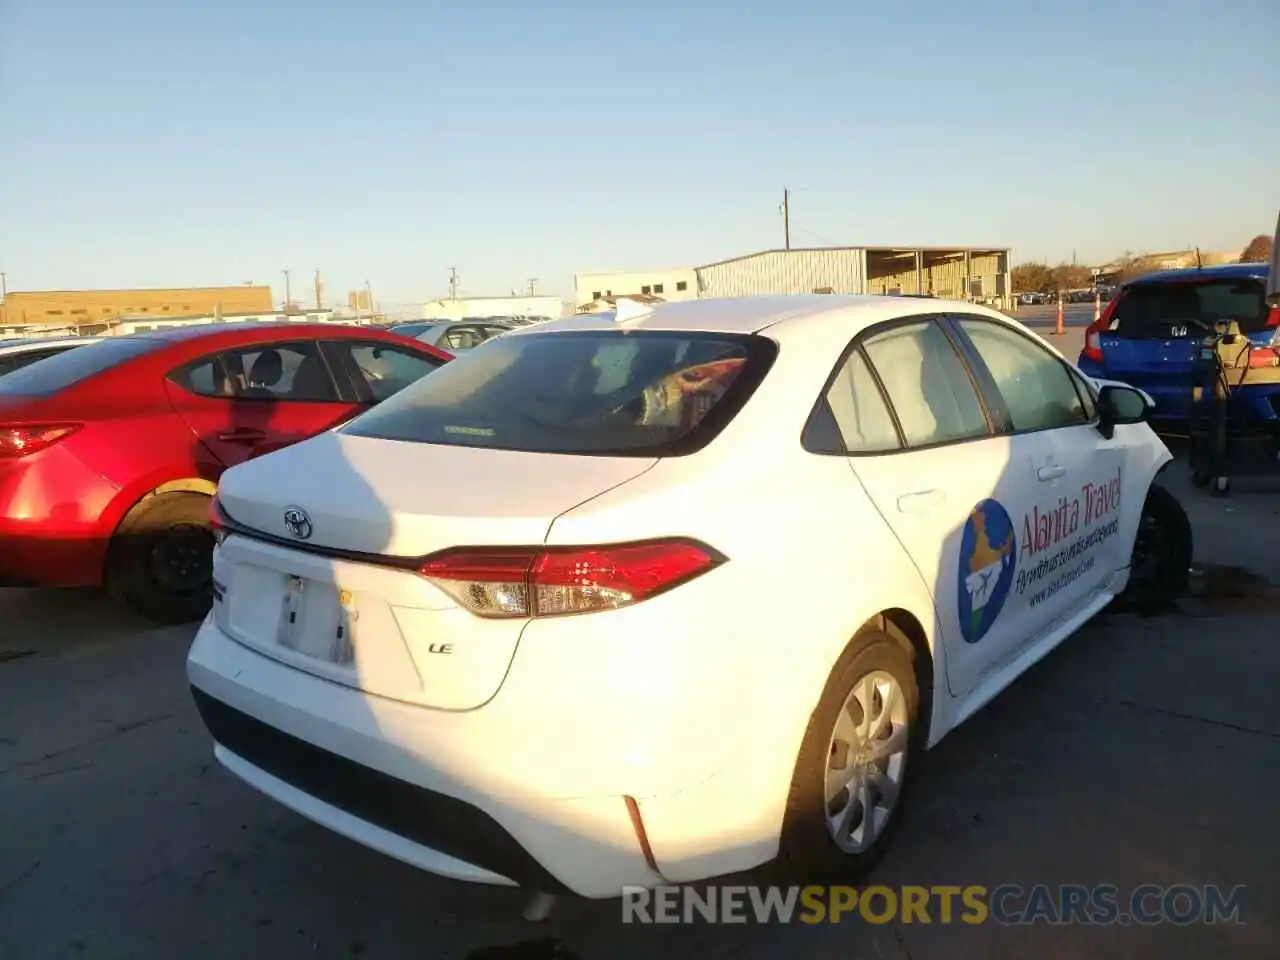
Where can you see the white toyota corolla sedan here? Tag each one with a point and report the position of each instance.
(656, 597)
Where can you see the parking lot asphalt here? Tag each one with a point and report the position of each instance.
(1144, 750)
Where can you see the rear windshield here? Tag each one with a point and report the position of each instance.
(617, 393)
(411, 329)
(16, 361)
(65, 369)
(1172, 310)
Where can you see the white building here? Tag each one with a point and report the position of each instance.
(676, 284)
(467, 308)
(953, 273)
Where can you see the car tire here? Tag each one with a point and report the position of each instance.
(1163, 549)
(808, 851)
(160, 562)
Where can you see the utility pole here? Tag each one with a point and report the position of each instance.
(786, 216)
(288, 293)
(4, 285)
(318, 288)
(453, 283)
(533, 285)
(368, 290)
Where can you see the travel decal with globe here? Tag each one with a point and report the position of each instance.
(988, 554)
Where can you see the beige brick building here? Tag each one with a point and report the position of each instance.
(86, 308)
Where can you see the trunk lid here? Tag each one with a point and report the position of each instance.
(371, 625)
(404, 499)
(1154, 360)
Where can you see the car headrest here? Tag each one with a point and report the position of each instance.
(267, 369)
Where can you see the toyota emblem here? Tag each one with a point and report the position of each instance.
(297, 522)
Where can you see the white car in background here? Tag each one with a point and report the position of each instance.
(454, 335)
(22, 352)
(661, 596)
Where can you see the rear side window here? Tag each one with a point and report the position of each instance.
(282, 371)
(860, 413)
(617, 393)
(1164, 311)
(70, 367)
(928, 385)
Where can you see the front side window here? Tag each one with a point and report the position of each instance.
(384, 370)
(1088, 394)
(928, 384)
(637, 393)
(1036, 387)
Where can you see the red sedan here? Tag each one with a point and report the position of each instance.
(109, 454)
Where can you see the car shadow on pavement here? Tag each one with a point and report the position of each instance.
(52, 621)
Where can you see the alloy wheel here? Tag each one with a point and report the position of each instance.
(866, 762)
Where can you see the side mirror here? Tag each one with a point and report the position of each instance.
(1120, 405)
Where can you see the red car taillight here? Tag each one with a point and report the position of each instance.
(1273, 316)
(550, 581)
(1093, 333)
(23, 439)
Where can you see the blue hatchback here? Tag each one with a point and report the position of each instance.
(1149, 333)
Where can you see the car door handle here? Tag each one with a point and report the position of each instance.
(921, 500)
(1051, 472)
(243, 436)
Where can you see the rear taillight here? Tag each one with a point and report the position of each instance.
(550, 581)
(1093, 333)
(217, 520)
(1273, 316)
(23, 439)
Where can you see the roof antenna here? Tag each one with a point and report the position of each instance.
(628, 309)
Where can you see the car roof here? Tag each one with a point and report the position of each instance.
(214, 328)
(745, 315)
(1223, 271)
(31, 344)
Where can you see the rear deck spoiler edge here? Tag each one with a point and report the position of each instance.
(1273, 277)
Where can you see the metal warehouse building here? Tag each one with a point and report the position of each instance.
(953, 273)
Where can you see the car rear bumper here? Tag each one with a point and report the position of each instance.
(429, 829)
(464, 794)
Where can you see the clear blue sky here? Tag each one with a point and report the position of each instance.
(175, 142)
